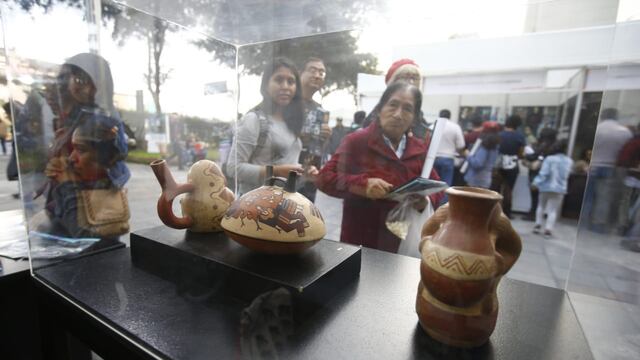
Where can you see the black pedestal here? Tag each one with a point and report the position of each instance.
(124, 312)
(213, 261)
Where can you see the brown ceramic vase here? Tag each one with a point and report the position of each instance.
(467, 246)
(205, 203)
(274, 218)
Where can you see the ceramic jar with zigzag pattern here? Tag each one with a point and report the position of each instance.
(467, 246)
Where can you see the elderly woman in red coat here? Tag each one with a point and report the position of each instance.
(371, 162)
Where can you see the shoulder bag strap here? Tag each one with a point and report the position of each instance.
(263, 133)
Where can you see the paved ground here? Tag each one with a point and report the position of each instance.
(604, 284)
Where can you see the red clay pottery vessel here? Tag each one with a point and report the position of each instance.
(467, 246)
(205, 203)
(274, 218)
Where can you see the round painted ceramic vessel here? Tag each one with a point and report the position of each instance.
(205, 203)
(467, 246)
(274, 219)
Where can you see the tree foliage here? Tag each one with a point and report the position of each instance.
(237, 21)
(109, 10)
(337, 50)
(153, 30)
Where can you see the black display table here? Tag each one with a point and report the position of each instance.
(19, 331)
(126, 312)
(212, 260)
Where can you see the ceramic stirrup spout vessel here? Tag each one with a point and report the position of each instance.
(205, 203)
(274, 218)
(467, 246)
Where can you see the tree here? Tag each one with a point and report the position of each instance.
(239, 23)
(108, 9)
(129, 22)
(337, 50)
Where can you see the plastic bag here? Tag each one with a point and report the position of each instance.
(15, 249)
(410, 246)
(406, 223)
(48, 246)
(398, 218)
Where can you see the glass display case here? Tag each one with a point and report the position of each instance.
(232, 176)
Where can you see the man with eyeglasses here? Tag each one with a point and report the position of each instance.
(315, 129)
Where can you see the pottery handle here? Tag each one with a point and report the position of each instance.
(170, 190)
(165, 208)
(433, 224)
(508, 244)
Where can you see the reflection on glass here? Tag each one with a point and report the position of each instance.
(83, 165)
(602, 196)
(266, 325)
(178, 97)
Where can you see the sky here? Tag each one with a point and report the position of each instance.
(39, 36)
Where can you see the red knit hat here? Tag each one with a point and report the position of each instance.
(396, 65)
(490, 126)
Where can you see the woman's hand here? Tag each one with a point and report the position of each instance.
(55, 166)
(283, 170)
(58, 169)
(377, 188)
(311, 173)
(60, 133)
(111, 134)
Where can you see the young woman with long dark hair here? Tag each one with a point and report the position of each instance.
(269, 134)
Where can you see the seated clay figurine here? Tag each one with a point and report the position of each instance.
(206, 201)
(274, 218)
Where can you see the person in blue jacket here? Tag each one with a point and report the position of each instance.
(94, 154)
(482, 161)
(551, 182)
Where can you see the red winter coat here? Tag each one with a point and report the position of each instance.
(363, 155)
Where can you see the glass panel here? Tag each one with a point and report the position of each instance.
(33, 69)
(9, 185)
(604, 273)
(350, 97)
(126, 73)
(244, 22)
(249, 21)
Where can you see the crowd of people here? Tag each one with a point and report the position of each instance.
(361, 163)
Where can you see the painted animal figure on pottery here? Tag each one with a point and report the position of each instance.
(285, 221)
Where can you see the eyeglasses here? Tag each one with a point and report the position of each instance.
(80, 80)
(316, 71)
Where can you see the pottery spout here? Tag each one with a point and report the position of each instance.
(290, 185)
(163, 174)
